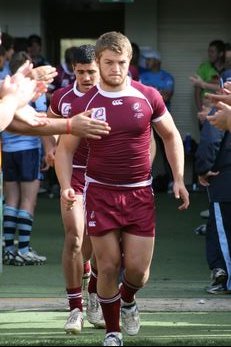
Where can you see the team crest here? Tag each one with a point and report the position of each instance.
(137, 107)
(65, 109)
(99, 113)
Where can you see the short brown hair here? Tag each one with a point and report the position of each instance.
(114, 41)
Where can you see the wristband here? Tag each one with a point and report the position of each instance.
(68, 126)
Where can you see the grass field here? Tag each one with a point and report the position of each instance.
(158, 329)
(179, 275)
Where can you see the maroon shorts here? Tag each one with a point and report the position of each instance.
(111, 208)
(78, 180)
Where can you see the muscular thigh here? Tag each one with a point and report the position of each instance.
(137, 251)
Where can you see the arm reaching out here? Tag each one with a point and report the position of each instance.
(222, 118)
(80, 125)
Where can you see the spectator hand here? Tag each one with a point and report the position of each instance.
(204, 179)
(222, 118)
(197, 81)
(28, 115)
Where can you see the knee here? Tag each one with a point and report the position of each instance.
(73, 243)
(109, 270)
(138, 275)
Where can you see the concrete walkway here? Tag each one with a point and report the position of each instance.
(218, 303)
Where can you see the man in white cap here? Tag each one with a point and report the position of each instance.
(156, 77)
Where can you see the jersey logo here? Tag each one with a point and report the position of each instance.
(117, 102)
(99, 113)
(65, 109)
(137, 107)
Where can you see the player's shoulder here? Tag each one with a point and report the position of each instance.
(62, 91)
(147, 91)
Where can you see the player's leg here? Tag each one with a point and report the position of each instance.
(72, 261)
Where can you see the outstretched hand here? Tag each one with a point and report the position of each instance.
(28, 115)
(222, 118)
(84, 126)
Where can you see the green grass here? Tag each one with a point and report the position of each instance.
(158, 329)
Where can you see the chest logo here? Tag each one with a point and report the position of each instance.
(99, 113)
(65, 109)
(117, 102)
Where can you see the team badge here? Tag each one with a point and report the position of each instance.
(65, 109)
(99, 113)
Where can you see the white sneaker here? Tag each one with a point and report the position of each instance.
(41, 258)
(29, 258)
(113, 339)
(130, 319)
(74, 322)
(94, 311)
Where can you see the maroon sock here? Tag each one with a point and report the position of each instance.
(92, 286)
(74, 296)
(111, 312)
(128, 291)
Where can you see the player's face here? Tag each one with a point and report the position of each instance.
(87, 75)
(113, 69)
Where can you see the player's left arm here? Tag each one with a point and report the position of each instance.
(174, 149)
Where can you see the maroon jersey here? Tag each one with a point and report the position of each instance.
(122, 157)
(60, 106)
(64, 77)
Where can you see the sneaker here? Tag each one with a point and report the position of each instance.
(204, 214)
(8, 258)
(201, 230)
(130, 319)
(217, 289)
(113, 339)
(74, 322)
(94, 312)
(42, 258)
(218, 276)
(29, 258)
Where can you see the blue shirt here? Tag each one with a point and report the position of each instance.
(161, 80)
(14, 142)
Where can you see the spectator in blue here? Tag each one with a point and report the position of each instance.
(156, 77)
(213, 166)
(163, 81)
(21, 159)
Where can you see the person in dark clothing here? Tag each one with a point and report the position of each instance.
(213, 166)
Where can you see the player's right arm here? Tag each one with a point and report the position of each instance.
(63, 167)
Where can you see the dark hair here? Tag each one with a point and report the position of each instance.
(135, 53)
(34, 39)
(17, 60)
(219, 44)
(7, 41)
(69, 54)
(228, 46)
(84, 54)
